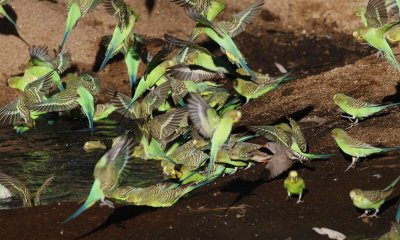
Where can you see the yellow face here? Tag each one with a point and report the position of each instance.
(336, 132)
(355, 194)
(337, 97)
(359, 33)
(293, 176)
(235, 115)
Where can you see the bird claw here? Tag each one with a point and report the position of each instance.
(352, 165)
(299, 201)
(107, 203)
(379, 55)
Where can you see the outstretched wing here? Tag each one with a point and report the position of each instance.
(202, 115)
(43, 188)
(238, 22)
(376, 14)
(16, 187)
(10, 113)
(164, 125)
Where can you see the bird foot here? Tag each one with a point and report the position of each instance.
(375, 215)
(352, 165)
(379, 55)
(353, 124)
(107, 203)
(299, 201)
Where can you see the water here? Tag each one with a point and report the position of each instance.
(58, 150)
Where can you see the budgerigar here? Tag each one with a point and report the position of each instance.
(107, 174)
(358, 109)
(354, 147)
(76, 9)
(375, 37)
(372, 199)
(374, 14)
(294, 185)
(210, 125)
(79, 92)
(126, 19)
(41, 63)
(260, 86)
(223, 31)
(19, 111)
(18, 188)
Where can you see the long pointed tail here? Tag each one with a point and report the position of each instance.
(318, 156)
(392, 184)
(109, 55)
(5, 14)
(83, 208)
(74, 14)
(391, 105)
(398, 214)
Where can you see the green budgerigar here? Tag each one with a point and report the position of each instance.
(211, 125)
(294, 185)
(222, 32)
(20, 111)
(107, 174)
(375, 37)
(126, 19)
(372, 199)
(260, 86)
(374, 14)
(79, 92)
(354, 147)
(358, 109)
(77, 9)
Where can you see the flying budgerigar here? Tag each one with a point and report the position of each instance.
(354, 147)
(372, 199)
(212, 126)
(77, 9)
(222, 32)
(107, 174)
(294, 185)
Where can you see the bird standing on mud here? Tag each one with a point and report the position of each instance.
(358, 109)
(294, 185)
(372, 199)
(354, 147)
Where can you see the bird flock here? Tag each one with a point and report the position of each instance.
(178, 113)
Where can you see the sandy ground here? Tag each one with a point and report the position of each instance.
(311, 37)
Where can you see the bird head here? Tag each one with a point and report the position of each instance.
(359, 33)
(235, 115)
(338, 97)
(293, 175)
(355, 194)
(360, 11)
(336, 132)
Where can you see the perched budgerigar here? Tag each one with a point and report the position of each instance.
(76, 9)
(107, 174)
(4, 13)
(294, 185)
(372, 199)
(211, 125)
(223, 31)
(354, 147)
(18, 188)
(375, 37)
(260, 86)
(358, 109)
(79, 92)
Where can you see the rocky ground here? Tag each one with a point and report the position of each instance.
(313, 38)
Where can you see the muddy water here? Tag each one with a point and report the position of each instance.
(58, 150)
